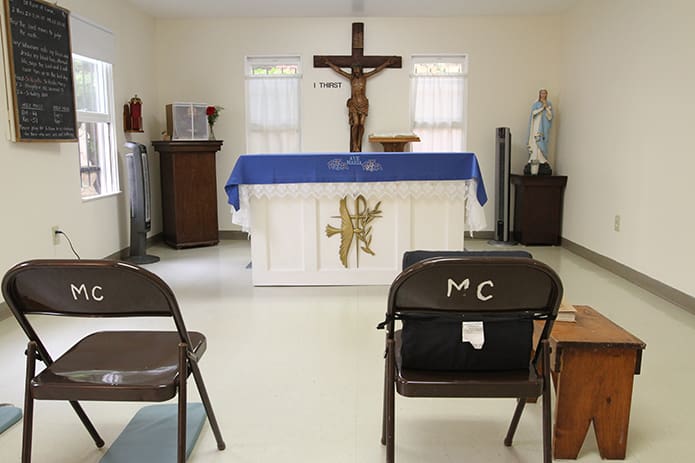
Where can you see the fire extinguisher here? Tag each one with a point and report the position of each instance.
(132, 114)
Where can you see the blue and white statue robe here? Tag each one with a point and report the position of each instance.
(540, 121)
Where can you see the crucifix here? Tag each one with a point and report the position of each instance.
(358, 105)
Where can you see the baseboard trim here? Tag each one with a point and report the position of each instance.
(656, 287)
(159, 238)
(125, 252)
(233, 235)
(479, 235)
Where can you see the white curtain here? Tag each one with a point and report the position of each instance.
(438, 112)
(273, 122)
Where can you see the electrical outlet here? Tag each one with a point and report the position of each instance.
(55, 234)
(616, 223)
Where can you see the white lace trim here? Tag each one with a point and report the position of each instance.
(475, 218)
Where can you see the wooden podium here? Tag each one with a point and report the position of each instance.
(395, 143)
(189, 192)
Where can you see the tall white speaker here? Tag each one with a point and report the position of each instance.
(503, 155)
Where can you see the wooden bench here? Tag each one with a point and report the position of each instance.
(593, 362)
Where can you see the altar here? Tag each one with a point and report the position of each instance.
(347, 219)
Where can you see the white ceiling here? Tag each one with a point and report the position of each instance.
(347, 8)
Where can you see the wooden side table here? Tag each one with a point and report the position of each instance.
(593, 362)
(538, 203)
(189, 192)
(395, 143)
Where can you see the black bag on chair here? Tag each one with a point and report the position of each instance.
(434, 342)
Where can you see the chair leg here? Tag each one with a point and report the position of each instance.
(198, 377)
(27, 434)
(28, 403)
(87, 423)
(390, 401)
(547, 413)
(384, 408)
(521, 403)
(183, 376)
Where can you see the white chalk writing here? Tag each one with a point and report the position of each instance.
(480, 290)
(465, 284)
(81, 290)
(452, 284)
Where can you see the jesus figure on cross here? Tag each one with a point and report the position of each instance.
(358, 104)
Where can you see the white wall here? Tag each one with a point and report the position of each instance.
(625, 134)
(39, 182)
(510, 59)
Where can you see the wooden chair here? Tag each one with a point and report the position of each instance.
(151, 366)
(464, 289)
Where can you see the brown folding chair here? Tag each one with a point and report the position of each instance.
(507, 292)
(150, 366)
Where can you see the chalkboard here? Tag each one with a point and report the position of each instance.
(40, 64)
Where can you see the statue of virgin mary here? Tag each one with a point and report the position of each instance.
(540, 121)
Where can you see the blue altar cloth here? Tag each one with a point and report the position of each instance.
(352, 167)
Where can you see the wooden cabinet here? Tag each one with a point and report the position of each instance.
(538, 203)
(189, 192)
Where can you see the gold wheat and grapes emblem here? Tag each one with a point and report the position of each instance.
(354, 227)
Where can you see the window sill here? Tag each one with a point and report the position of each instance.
(95, 198)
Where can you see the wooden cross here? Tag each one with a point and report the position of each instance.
(357, 58)
(358, 105)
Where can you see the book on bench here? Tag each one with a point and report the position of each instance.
(566, 312)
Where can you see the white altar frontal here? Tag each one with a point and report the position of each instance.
(350, 232)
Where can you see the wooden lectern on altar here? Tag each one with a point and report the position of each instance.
(394, 143)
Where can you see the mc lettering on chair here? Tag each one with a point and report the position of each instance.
(81, 291)
(138, 366)
(465, 284)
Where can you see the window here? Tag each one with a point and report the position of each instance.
(438, 102)
(273, 104)
(95, 124)
(93, 50)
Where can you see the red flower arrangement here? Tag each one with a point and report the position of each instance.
(213, 112)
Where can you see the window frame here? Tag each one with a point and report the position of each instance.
(459, 58)
(250, 62)
(269, 60)
(107, 154)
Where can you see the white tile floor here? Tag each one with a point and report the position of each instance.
(295, 374)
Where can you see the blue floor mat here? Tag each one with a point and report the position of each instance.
(150, 437)
(9, 415)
